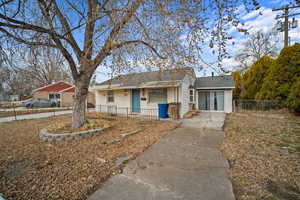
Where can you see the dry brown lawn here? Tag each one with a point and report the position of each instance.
(264, 157)
(34, 169)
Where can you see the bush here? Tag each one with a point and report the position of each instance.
(294, 97)
(254, 77)
(282, 75)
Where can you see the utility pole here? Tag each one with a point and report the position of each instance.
(286, 21)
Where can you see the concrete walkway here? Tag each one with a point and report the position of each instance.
(34, 116)
(184, 165)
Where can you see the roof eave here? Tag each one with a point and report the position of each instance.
(211, 88)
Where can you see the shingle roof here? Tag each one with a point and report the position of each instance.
(136, 79)
(56, 87)
(224, 81)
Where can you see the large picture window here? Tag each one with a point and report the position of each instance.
(110, 97)
(158, 95)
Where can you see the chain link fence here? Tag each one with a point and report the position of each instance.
(19, 113)
(241, 105)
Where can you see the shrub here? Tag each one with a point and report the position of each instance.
(293, 100)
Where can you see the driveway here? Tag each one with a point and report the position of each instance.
(184, 165)
(34, 116)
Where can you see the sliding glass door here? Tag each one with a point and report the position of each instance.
(211, 100)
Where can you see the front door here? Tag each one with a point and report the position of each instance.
(135, 100)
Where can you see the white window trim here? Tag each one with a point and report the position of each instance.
(194, 99)
(113, 95)
(60, 97)
(148, 95)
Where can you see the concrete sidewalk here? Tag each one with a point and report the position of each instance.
(34, 116)
(186, 165)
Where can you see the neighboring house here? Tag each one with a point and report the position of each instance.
(3, 95)
(60, 92)
(14, 97)
(141, 92)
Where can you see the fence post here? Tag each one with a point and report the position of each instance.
(15, 112)
(126, 112)
(233, 105)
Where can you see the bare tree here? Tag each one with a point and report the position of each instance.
(256, 46)
(44, 65)
(89, 33)
(24, 69)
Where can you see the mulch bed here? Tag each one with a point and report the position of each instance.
(34, 169)
(264, 157)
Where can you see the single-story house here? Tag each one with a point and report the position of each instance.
(60, 92)
(141, 92)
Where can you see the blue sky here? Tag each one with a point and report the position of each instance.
(262, 19)
(257, 20)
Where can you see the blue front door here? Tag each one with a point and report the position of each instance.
(135, 100)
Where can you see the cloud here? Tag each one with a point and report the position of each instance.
(253, 14)
(230, 63)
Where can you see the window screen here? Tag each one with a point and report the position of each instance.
(110, 96)
(158, 95)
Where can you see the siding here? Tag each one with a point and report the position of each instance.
(122, 98)
(40, 95)
(184, 94)
(228, 101)
(67, 99)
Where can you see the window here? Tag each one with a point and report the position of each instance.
(110, 97)
(158, 95)
(191, 95)
(55, 98)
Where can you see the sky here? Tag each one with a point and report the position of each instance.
(264, 20)
(257, 20)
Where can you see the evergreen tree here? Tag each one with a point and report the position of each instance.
(254, 77)
(283, 75)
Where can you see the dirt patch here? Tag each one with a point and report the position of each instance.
(94, 121)
(67, 169)
(264, 156)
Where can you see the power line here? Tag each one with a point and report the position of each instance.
(286, 26)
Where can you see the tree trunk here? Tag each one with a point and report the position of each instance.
(79, 108)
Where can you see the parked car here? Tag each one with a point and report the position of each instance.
(39, 103)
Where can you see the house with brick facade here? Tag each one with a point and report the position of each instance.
(60, 92)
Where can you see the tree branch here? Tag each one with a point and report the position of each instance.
(18, 39)
(116, 46)
(67, 30)
(89, 29)
(107, 45)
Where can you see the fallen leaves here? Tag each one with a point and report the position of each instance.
(253, 147)
(67, 169)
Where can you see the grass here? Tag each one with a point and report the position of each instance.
(33, 169)
(264, 155)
